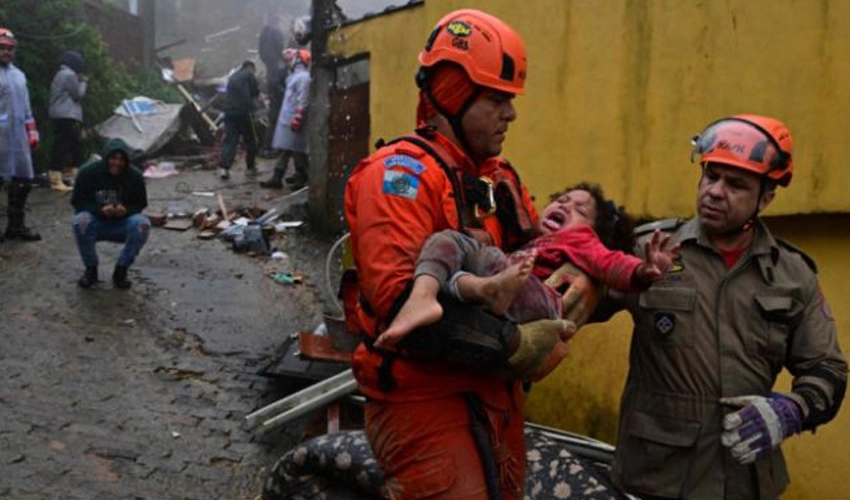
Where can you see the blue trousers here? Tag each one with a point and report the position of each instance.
(132, 231)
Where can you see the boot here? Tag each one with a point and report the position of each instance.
(18, 192)
(274, 181)
(299, 179)
(296, 181)
(56, 182)
(89, 277)
(71, 176)
(119, 278)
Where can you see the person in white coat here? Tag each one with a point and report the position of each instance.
(290, 134)
(18, 137)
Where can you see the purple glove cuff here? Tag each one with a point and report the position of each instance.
(789, 413)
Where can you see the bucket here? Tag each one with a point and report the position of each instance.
(341, 339)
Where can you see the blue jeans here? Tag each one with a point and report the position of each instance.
(132, 231)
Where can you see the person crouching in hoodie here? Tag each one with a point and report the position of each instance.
(66, 112)
(109, 196)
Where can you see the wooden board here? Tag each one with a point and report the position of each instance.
(178, 224)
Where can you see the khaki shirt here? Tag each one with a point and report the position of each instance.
(703, 332)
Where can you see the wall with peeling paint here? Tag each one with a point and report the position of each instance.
(615, 91)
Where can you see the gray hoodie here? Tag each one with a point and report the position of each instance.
(66, 92)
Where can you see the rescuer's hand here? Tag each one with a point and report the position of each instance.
(760, 426)
(536, 341)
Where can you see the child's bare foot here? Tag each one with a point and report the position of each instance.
(498, 291)
(420, 309)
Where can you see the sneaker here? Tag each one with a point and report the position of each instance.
(223, 174)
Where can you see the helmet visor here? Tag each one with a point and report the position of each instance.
(740, 144)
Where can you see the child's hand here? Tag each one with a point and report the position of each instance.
(657, 257)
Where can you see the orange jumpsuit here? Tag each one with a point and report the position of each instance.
(420, 429)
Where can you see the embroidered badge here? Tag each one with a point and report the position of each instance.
(677, 266)
(824, 308)
(401, 184)
(415, 167)
(664, 323)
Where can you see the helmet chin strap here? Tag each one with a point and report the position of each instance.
(751, 221)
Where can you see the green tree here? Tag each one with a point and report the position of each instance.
(47, 28)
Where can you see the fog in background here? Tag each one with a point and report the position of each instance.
(221, 34)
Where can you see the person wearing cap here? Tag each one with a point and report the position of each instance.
(66, 111)
(239, 106)
(290, 135)
(699, 417)
(443, 429)
(18, 137)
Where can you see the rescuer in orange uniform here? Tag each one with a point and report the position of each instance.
(441, 429)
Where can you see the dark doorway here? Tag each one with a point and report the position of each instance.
(349, 130)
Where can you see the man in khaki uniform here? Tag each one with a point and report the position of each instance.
(698, 419)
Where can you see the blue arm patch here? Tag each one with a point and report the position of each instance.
(402, 184)
(407, 162)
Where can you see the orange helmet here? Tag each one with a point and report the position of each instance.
(490, 51)
(759, 144)
(293, 56)
(7, 37)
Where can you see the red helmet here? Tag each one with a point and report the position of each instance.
(7, 37)
(759, 144)
(490, 51)
(292, 56)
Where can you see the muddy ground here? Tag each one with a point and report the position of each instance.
(140, 394)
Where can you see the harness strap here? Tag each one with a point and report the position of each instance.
(479, 424)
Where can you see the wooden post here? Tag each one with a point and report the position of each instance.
(318, 129)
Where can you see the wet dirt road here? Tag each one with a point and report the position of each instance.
(140, 394)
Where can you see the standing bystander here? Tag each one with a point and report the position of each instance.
(291, 131)
(18, 137)
(239, 109)
(66, 111)
(270, 48)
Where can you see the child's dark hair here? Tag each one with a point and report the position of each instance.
(613, 226)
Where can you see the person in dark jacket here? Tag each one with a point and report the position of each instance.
(270, 50)
(66, 111)
(109, 196)
(239, 107)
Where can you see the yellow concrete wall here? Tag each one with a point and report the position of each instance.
(616, 88)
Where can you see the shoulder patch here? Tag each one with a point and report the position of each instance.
(666, 225)
(414, 166)
(403, 184)
(791, 248)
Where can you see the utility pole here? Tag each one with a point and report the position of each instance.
(146, 10)
(318, 131)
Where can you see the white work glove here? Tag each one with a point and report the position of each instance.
(760, 426)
